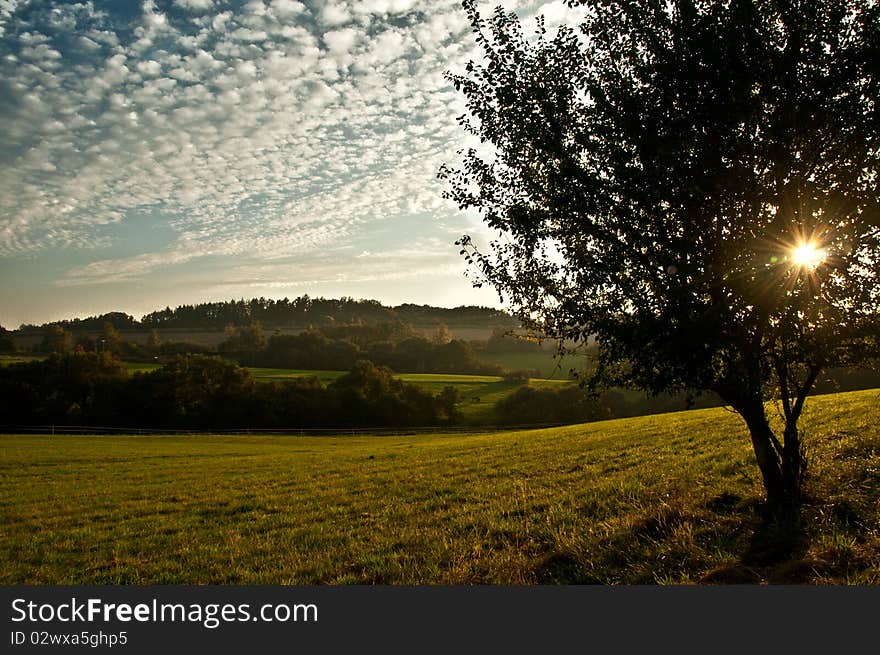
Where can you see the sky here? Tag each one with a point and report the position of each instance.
(166, 152)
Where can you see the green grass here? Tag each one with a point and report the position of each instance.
(140, 367)
(479, 393)
(542, 361)
(18, 359)
(289, 373)
(660, 499)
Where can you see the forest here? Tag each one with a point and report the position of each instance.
(302, 311)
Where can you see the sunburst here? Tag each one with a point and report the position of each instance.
(808, 255)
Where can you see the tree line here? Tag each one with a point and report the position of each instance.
(207, 392)
(200, 392)
(302, 311)
(336, 347)
(339, 347)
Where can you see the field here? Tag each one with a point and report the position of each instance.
(543, 361)
(661, 499)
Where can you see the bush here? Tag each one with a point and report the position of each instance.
(59, 389)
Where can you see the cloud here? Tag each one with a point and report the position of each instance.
(334, 14)
(7, 9)
(286, 9)
(340, 42)
(194, 5)
(384, 6)
(119, 270)
(149, 68)
(252, 136)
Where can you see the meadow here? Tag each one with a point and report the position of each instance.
(544, 362)
(671, 498)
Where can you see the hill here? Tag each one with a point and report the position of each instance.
(207, 324)
(668, 498)
(299, 312)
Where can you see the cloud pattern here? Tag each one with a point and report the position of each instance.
(282, 137)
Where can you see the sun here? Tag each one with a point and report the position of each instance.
(808, 254)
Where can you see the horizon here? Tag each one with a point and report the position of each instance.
(173, 152)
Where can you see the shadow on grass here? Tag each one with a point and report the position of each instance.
(769, 546)
(564, 568)
(775, 552)
(778, 537)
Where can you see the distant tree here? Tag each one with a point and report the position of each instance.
(518, 377)
(371, 395)
(84, 343)
(154, 342)
(119, 320)
(57, 340)
(507, 341)
(530, 405)
(195, 390)
(59, 389)
(369, 380)
(442, 335)
(110, 339)
(6, 342)
(694, 184)
(414, 355)
(448, 400)
(170, 348)
(243, 340)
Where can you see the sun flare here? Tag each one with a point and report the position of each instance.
(808, 255)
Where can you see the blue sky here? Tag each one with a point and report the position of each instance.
(164, 152)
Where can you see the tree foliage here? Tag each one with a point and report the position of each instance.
(56, 340)
(201, 392)
(651, 175)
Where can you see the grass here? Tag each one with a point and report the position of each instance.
(18, 359)
(279, 374)
(660, 499)
(543, 361)
(140, 367)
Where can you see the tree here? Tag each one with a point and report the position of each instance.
(442, 335)
(57, 340)
(692, 184)
(243, 340)
(195, 391)
(154, 342)
(7, 344)
(110, 339)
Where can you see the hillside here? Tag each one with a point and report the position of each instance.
(661, 499)
(286, 313)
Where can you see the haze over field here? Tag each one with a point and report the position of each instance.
(163, 152)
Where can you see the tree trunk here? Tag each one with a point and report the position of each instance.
(793, 464)
(765, 454)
